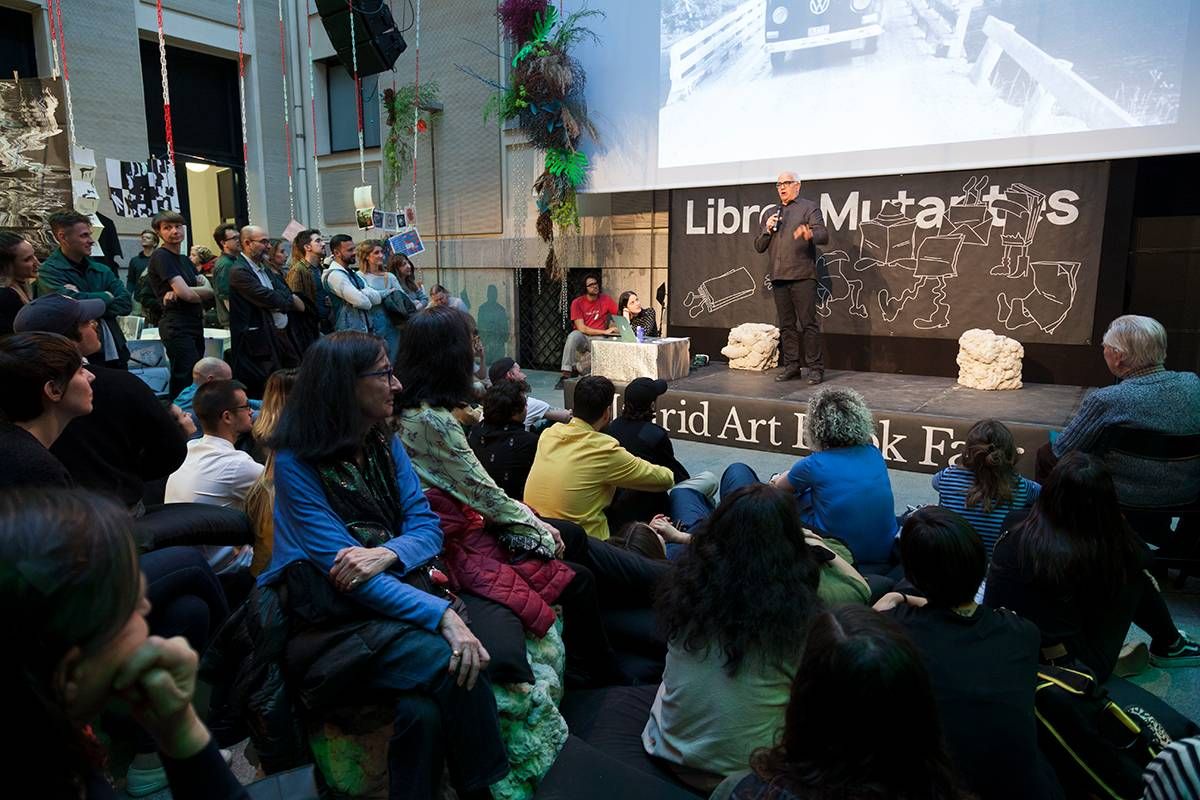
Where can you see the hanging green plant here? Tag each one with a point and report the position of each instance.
(570, 165)
(398, 108)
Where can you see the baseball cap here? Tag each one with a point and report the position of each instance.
(57, 313)
(644, 391)
(500, 368)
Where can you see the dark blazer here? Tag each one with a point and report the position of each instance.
(258, 348)
(793, 259)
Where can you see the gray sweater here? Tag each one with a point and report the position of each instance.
(1167, 402)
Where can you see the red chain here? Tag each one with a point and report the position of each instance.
(162, 61)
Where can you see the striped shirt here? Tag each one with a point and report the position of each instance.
(1175, 773)
(954, 483)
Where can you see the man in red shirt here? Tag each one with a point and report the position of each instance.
(590, 313)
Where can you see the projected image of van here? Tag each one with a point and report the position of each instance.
(794, 25)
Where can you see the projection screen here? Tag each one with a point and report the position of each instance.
(714, 92)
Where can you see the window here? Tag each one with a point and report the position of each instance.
(343, 116)
(16, 45)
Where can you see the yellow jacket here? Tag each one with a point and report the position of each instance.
(578, 469)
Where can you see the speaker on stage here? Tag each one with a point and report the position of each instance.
(376, 39)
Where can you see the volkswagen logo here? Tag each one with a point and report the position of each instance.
(818, 7)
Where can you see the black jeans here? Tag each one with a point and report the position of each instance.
(796, 311)
(183, 338)
(438, 722)
(624, 579)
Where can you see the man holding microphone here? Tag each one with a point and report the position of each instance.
(789, 237)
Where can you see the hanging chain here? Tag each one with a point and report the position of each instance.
(166, 92)
(56, 10)
(312, 97)
(242, 99)
(416, 97)
(287, 128)
(56, 70)
(362, 153)
(518, 192)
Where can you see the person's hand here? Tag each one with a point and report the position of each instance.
(627, 315)
(169, 297)
(773, 222)
(70, 287)
(468, 656)
(354, 566)
(297, 303)
(610, 330)
(158, 681)
(893, 599)
(802, 232)
(559, 546)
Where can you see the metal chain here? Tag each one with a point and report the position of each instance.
(312, 97)
(362, 152)
(416, 97)
(166, 91)
(242, 100)
(518, 192)
(62, 43)
(287, 128)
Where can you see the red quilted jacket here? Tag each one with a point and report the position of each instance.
(480, 564)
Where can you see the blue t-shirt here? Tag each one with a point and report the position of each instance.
(846, 493)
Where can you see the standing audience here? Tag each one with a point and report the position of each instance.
(352, 299)
(18, 271)
(229, 243)
(72, 271)
(179, 289)
(402, 267)
(259, 305)
(386, 321)
(304, 279)
(138, 262)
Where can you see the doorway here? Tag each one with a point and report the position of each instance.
(209, 189)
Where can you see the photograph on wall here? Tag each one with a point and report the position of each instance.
(365, 217)
(142, 188)
(1016, 250)
(407, 242)
(878, 74)
(35, 162)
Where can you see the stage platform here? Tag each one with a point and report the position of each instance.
(920, 421)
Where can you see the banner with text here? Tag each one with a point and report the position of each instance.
(1016, 250)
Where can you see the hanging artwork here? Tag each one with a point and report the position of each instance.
(142, 188)
(35, 157)
(408, 242)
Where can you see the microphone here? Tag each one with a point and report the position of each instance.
(778, 220)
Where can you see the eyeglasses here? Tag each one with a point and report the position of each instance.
(784, 183)
(240, 408)
(233, 238)
(591, 285)
(379, 373)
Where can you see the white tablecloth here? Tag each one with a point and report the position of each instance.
(667, 358)
(216, 340)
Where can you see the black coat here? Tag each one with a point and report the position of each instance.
(649, 442)
(506, 452)
(258, 347)
(304, 629)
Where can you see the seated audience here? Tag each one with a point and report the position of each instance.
(260, 500)
(353, 528)
(1174, 774)
(78, 606)
(578, 468)
(1072, 566)
(857, 667)
(214, 471)
(637, 432)
(18, 270)
(46, 386)
(434, 369)
(506, 369)
(206, 369)
(982, 662)
(726, 683)
(279, 386)
(129, 439)
(629, 306)
(641, 537)
(843, 486)
(986, 488)
(590, 314)
(440, 296)
(500, 441)
(1146, 396)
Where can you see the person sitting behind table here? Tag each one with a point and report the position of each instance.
(630, 307)
(982, 662)
(725, 686)
(579, 468)
(857, 666)
(1147, 397)
(80, 639)
(987, 487)
(507, 369)
(843, 486)
(500, 441)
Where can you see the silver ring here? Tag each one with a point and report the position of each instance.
(455, 654)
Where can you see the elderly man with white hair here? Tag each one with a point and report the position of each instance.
(1146, 396)
(259, 304)
(790, 237)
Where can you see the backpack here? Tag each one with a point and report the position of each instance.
(1096, 747)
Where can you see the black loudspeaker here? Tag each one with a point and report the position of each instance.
(376, 39)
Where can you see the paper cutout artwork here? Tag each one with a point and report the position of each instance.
(142, 188)
(293, 228)
(365, 218)
(716, 293)
(35, 162)
(408, 242)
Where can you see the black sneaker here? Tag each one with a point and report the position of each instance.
(1184, 653)
(789, 374)
(815, 376)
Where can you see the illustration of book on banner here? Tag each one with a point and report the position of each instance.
(408, 242)
(716, 293)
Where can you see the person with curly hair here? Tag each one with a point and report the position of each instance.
(843, 487)
(726, 682)
(858, 666)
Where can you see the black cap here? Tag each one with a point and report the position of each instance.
(500, 368)
(644, 391)
(57, 313)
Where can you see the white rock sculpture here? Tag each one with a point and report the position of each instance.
(989, 361)
(753, 346)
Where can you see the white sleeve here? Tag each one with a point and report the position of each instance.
(341, 285)
(534, 410)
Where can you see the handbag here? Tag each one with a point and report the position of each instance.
(398, 307)
(432, 577)
(1096, 747)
